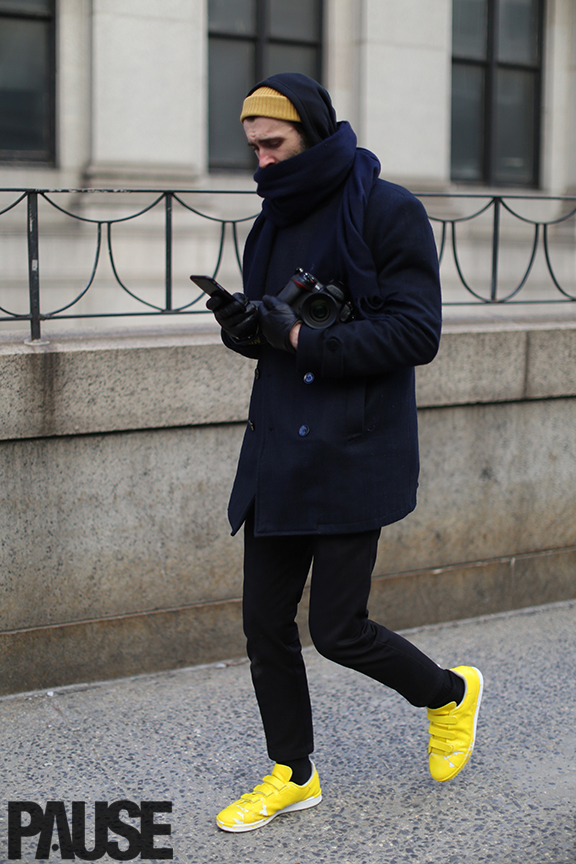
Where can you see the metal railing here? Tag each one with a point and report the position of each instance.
(449, 228)
(497, 204)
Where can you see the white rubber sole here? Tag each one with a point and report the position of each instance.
(290, 808)
(478, 703)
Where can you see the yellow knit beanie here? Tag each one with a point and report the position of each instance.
(266, 102)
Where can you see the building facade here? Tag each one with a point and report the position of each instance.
(450, 94)
(117, 451)
(454, 96)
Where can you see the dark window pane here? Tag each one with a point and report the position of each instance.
(518, 31)
(469, 28)
(514, 143)
(291, 58)
(231, 74)
(236, 63)
(467, 122)
(295, 19)
(24, 87)
(43, 7)
(232, 16)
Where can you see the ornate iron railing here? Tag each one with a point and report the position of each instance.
(497, 204)
(449, 228)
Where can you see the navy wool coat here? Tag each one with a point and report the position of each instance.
(331, 443)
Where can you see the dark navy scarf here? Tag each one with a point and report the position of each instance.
(332, 172)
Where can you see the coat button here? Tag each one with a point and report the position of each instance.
(257, 372)
(251, 425)
(332, 344)
(303, 431)
(308, 377)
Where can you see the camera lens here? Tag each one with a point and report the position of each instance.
(319, 311)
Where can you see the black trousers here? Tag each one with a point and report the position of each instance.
(275, 572)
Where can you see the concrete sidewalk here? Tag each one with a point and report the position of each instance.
(193, 737)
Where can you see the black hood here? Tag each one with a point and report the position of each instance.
(311, 101)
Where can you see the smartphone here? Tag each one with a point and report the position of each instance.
(211, 287)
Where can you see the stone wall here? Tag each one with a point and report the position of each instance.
(117, 456)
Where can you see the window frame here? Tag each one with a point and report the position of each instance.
(490, 66)
(261, 40)
(48, 156)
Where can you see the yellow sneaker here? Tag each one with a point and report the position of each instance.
(275, 795)
(453, 728)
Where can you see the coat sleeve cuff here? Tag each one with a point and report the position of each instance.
(247, 348)
(321, 352)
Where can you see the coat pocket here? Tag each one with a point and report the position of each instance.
(355, 407)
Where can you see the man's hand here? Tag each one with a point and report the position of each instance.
(277, 322)
(294, 334)
(239, 317)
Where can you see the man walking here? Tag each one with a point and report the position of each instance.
(330, 453)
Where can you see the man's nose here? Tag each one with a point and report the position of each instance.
(265, 159)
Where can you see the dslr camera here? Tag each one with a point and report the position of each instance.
(318, 306)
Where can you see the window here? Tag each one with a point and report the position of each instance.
(496, 86)
(27, 48)
(248, 41)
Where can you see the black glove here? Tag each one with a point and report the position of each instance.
(276, 322)
(238, 317)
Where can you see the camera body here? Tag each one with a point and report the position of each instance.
(318, 306)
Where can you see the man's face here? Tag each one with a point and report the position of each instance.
(272, 140)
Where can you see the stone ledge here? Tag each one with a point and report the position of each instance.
(44, 657)
(175, 378)
(500, 363)
(476, 588)
(73, 386)
(40, 657)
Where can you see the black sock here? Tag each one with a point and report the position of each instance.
(301, 770)
(452, 690)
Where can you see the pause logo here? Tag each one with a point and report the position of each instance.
(28, 819)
